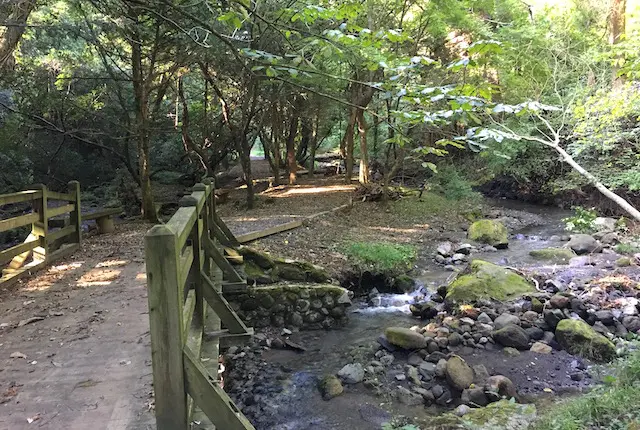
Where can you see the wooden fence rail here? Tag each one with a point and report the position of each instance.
(56, 230)
(185, 281)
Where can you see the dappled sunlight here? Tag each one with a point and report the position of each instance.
(399, 230)
(112, 263)
(141, 277)
(98, 277)
(51, 276)
(314, 190)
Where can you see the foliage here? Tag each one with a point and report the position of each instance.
(582, 221)
(628, 248)
(381, 256)
(452, 184)
(612, 406)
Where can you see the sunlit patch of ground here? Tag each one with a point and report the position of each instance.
(98, 277)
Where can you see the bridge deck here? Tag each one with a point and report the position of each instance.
(87, 361)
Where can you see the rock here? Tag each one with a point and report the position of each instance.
(352, 373)
(441, 368)
(536, 305)
(499, 386)
(530, 316)
(510, 352)
(415, 360)
(576, 376)
(604, 224)
(631, 323)
(427, 370)
(462, 410)
(480, 373)
(426, 310)
(445, 249)
(474, 397)
(455, 339)
(458, 373)
(584, 244)
(407, 397)
(554, 255)
(552, 317)
(405, 338)
(535, 333)
(541, 348)
(330, 387)
(578, 338)
(559, 301)
(506, 319)
(513, 336)
(610, 238)
(464, 248)
(440, 259)
(490, 232)
(581, 261)
(605, 316)
(404, 284)
(484, 318)
(502, 415)
(261, 259)
(413, 375)
(486, 281)
(624, 262)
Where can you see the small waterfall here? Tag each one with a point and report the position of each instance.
(379, 302)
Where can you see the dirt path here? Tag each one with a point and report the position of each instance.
(86, 362)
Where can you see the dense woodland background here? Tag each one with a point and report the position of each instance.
(125, 94)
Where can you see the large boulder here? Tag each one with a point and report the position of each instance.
(489, 231)
(459, 373)
(502, 415)
(579, 338)
(584, 244)
(553, 255)
(483, 280)
(405, 338)
(513, 336)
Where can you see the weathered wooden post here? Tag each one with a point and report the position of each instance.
(40, 228)
(166, 302)
(213, 320)
(75, 217)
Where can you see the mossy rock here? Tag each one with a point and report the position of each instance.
(290, 271)
(624, 262)
(484, 280)
(404, 284)
(489, 231)
(330, 387)
(260, 258)
(561, 255)
(257, 274)
(579, 338)
(405, 338)
(501, 415)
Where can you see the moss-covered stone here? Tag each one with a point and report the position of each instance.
(330, 387)
(489, 231)
(484, 280)
(258, 275)
(624, 262)
(290, 272)
(261, 259)
(405, 338)
(404, 283)
(579, 338)
(501, 415)
(556, 255)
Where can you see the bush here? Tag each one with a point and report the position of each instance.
(582, 221)
(453, 184)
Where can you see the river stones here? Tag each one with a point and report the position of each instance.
(541, 348)
(459, 374)
(506, 319)
(554, 255)
(499, 386)
(584, 244)
(558, 301)
(405, 338)
(352, 373)
(513, 336)
(552, 317)
(579, 338)
(486, 281)
(330, 387)
(474, 397)
(491, 232)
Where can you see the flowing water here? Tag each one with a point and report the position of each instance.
(300, 407)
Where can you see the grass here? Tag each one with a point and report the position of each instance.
(383, 256)
(627, 248)
(431, 203)
(615, 405)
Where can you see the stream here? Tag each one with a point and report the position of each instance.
(294, 402)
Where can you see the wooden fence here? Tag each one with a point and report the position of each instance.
(186, 274)
(56, 228)
(44, 244)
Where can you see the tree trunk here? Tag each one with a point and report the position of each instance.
(10, 35)
(364, 155)
(291, 149)
(244, 151)
(141, 96)
(189, 146)
(349, 144)
(617, 16)
(391, 173)
(628, 207)
(315, 124)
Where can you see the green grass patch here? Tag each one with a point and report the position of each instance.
(382, 256)
(627, 248)
(615, 405)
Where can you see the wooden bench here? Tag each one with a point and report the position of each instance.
(103, 219)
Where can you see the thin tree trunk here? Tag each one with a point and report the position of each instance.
(291, 149)
(142, 119)
(315, 124)
(364, 154)
(349, 144)
(10, 35)
(244, 151)
(391, 173)
(189, 146)
(620, 201)
(618, 21)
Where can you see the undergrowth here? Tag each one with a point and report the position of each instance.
(381, 256)
(615, 405)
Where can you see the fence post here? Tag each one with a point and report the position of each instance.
(75, 217)
(165, 320)
(40, 228)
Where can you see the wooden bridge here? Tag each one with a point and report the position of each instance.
(187, 273)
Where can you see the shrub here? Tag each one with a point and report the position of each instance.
(582, 221)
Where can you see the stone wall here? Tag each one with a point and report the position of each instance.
(303, 306)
